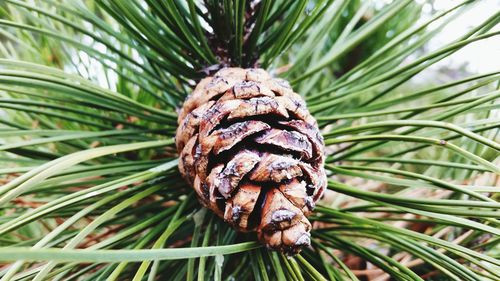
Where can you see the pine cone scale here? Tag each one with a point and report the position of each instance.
(253, 154)
(240, 207)
(224, 139)
(228, 179)
(275, 168)
(287, 140)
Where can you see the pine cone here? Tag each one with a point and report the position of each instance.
(254, 155)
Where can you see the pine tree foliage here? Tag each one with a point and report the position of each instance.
(90, 188)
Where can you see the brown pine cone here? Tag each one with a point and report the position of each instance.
(254, 155)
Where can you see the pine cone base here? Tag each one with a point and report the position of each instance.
(254, 155)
